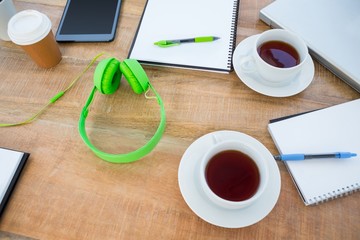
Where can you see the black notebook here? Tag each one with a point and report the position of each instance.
(11, 164)
(183, 19)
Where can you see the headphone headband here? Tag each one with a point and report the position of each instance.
(139, 74)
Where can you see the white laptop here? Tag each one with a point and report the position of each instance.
(330, 28)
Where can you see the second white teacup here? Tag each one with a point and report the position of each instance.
(277, 55)
(232, 174)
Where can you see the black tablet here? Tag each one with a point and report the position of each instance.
(89, 21)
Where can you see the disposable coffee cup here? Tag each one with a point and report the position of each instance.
(31, 30)
(232, 174)
(7, 10)
(272, 65)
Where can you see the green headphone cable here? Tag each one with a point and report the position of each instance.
(55, 98)
(107, 83)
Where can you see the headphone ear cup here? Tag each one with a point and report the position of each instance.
(107, 76)
(135, 75)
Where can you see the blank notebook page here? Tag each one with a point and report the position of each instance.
(333, 129)
(181, 19)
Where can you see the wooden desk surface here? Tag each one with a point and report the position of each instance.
(66, 192)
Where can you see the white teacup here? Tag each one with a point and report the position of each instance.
(271, 74)
(234, 192)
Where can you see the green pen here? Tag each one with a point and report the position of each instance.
(176, 42)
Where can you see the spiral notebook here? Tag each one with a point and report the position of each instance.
(333, 129)
(182, 19)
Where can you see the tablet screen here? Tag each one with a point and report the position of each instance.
(89, 20)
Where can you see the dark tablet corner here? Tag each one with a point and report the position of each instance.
(89, 21)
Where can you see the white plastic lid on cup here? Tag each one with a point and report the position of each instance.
(28, 27)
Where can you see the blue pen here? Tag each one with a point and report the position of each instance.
(297, 157)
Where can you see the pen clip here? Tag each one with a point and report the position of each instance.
(164, 44)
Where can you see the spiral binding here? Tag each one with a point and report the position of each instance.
(342, 192)
(233, 33)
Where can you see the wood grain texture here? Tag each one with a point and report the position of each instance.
(66, 192)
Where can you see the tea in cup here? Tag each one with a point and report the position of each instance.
(277, 55)
(233, 175)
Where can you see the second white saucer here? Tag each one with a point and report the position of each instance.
(208, 211)
(255, 81)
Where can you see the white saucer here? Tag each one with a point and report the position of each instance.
(254, 80)
(208, 211)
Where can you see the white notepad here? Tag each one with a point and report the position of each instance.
(333, 129)
(181, 19)
(11, 164)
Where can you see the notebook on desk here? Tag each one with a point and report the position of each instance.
(11, 164)
(333, 129)
(182, 19)
(329, 28)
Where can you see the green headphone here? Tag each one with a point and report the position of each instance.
(107, 78)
